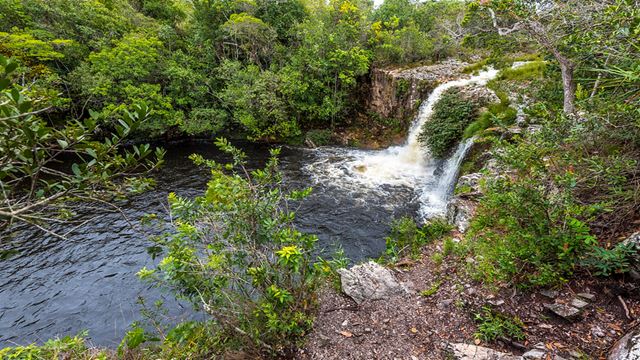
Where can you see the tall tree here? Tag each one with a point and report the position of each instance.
(550, 23)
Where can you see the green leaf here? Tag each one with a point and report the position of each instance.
(10, 67)
(63, 144)
(4, 83)
(76, 170)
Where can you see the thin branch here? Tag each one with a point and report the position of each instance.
(26, 114)
(504, 31)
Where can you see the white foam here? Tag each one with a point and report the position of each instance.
(408, 165)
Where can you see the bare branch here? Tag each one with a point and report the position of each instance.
(504, 31)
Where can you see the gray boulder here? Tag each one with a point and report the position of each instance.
(627, 348)
(369, 281)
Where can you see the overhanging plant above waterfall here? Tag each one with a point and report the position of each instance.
(451, 115)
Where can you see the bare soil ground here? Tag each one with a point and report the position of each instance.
(414, 326)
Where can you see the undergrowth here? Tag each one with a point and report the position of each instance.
(407, 238)
(493, 326)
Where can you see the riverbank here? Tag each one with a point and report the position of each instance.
(442, 306)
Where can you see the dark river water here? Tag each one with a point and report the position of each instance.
(58, 287)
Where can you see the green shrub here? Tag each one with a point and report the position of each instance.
(451, 247)
(527, 235)
(484, 121)
(236, 254)
(469, 69)
(437, 258)
(533, 227)
(432, 289)
(494, 325)
(451, 115)
(407, 238)
(402, 87)
(607, 262)
(496, 115)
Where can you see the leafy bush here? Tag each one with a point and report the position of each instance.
(607, 262)
(236, 255)
(533, 226)
(407, 238)
(451, 115)
(500, 114)
(493, 326)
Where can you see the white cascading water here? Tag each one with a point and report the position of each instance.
(407, 165)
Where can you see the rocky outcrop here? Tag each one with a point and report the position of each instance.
(479, 95)
(540, 352)
(627, 348)
(633, 242)
(460, 211)
(396, 93)
(369, 281)
(472, 352)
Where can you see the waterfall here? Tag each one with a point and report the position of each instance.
(407, 166)
(426, 110)
(436, 198)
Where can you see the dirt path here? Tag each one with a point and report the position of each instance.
(414, 326)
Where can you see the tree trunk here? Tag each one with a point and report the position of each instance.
(568, 86)
(567, 66)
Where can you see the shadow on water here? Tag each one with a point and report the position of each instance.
(56, 287)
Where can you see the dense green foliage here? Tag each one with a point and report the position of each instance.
(236, 255)
(65, 348)
(34, 188)
(80, 78)
(568, 188)
(451, 115)
(262, 69)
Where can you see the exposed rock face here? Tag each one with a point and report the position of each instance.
(627, 348)
(460, 211)
(472, 352)
(633, 240)
(470, 183)
(369, 281)
(479, 95)
(395, 92)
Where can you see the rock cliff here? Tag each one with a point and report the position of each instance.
(397, 93)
